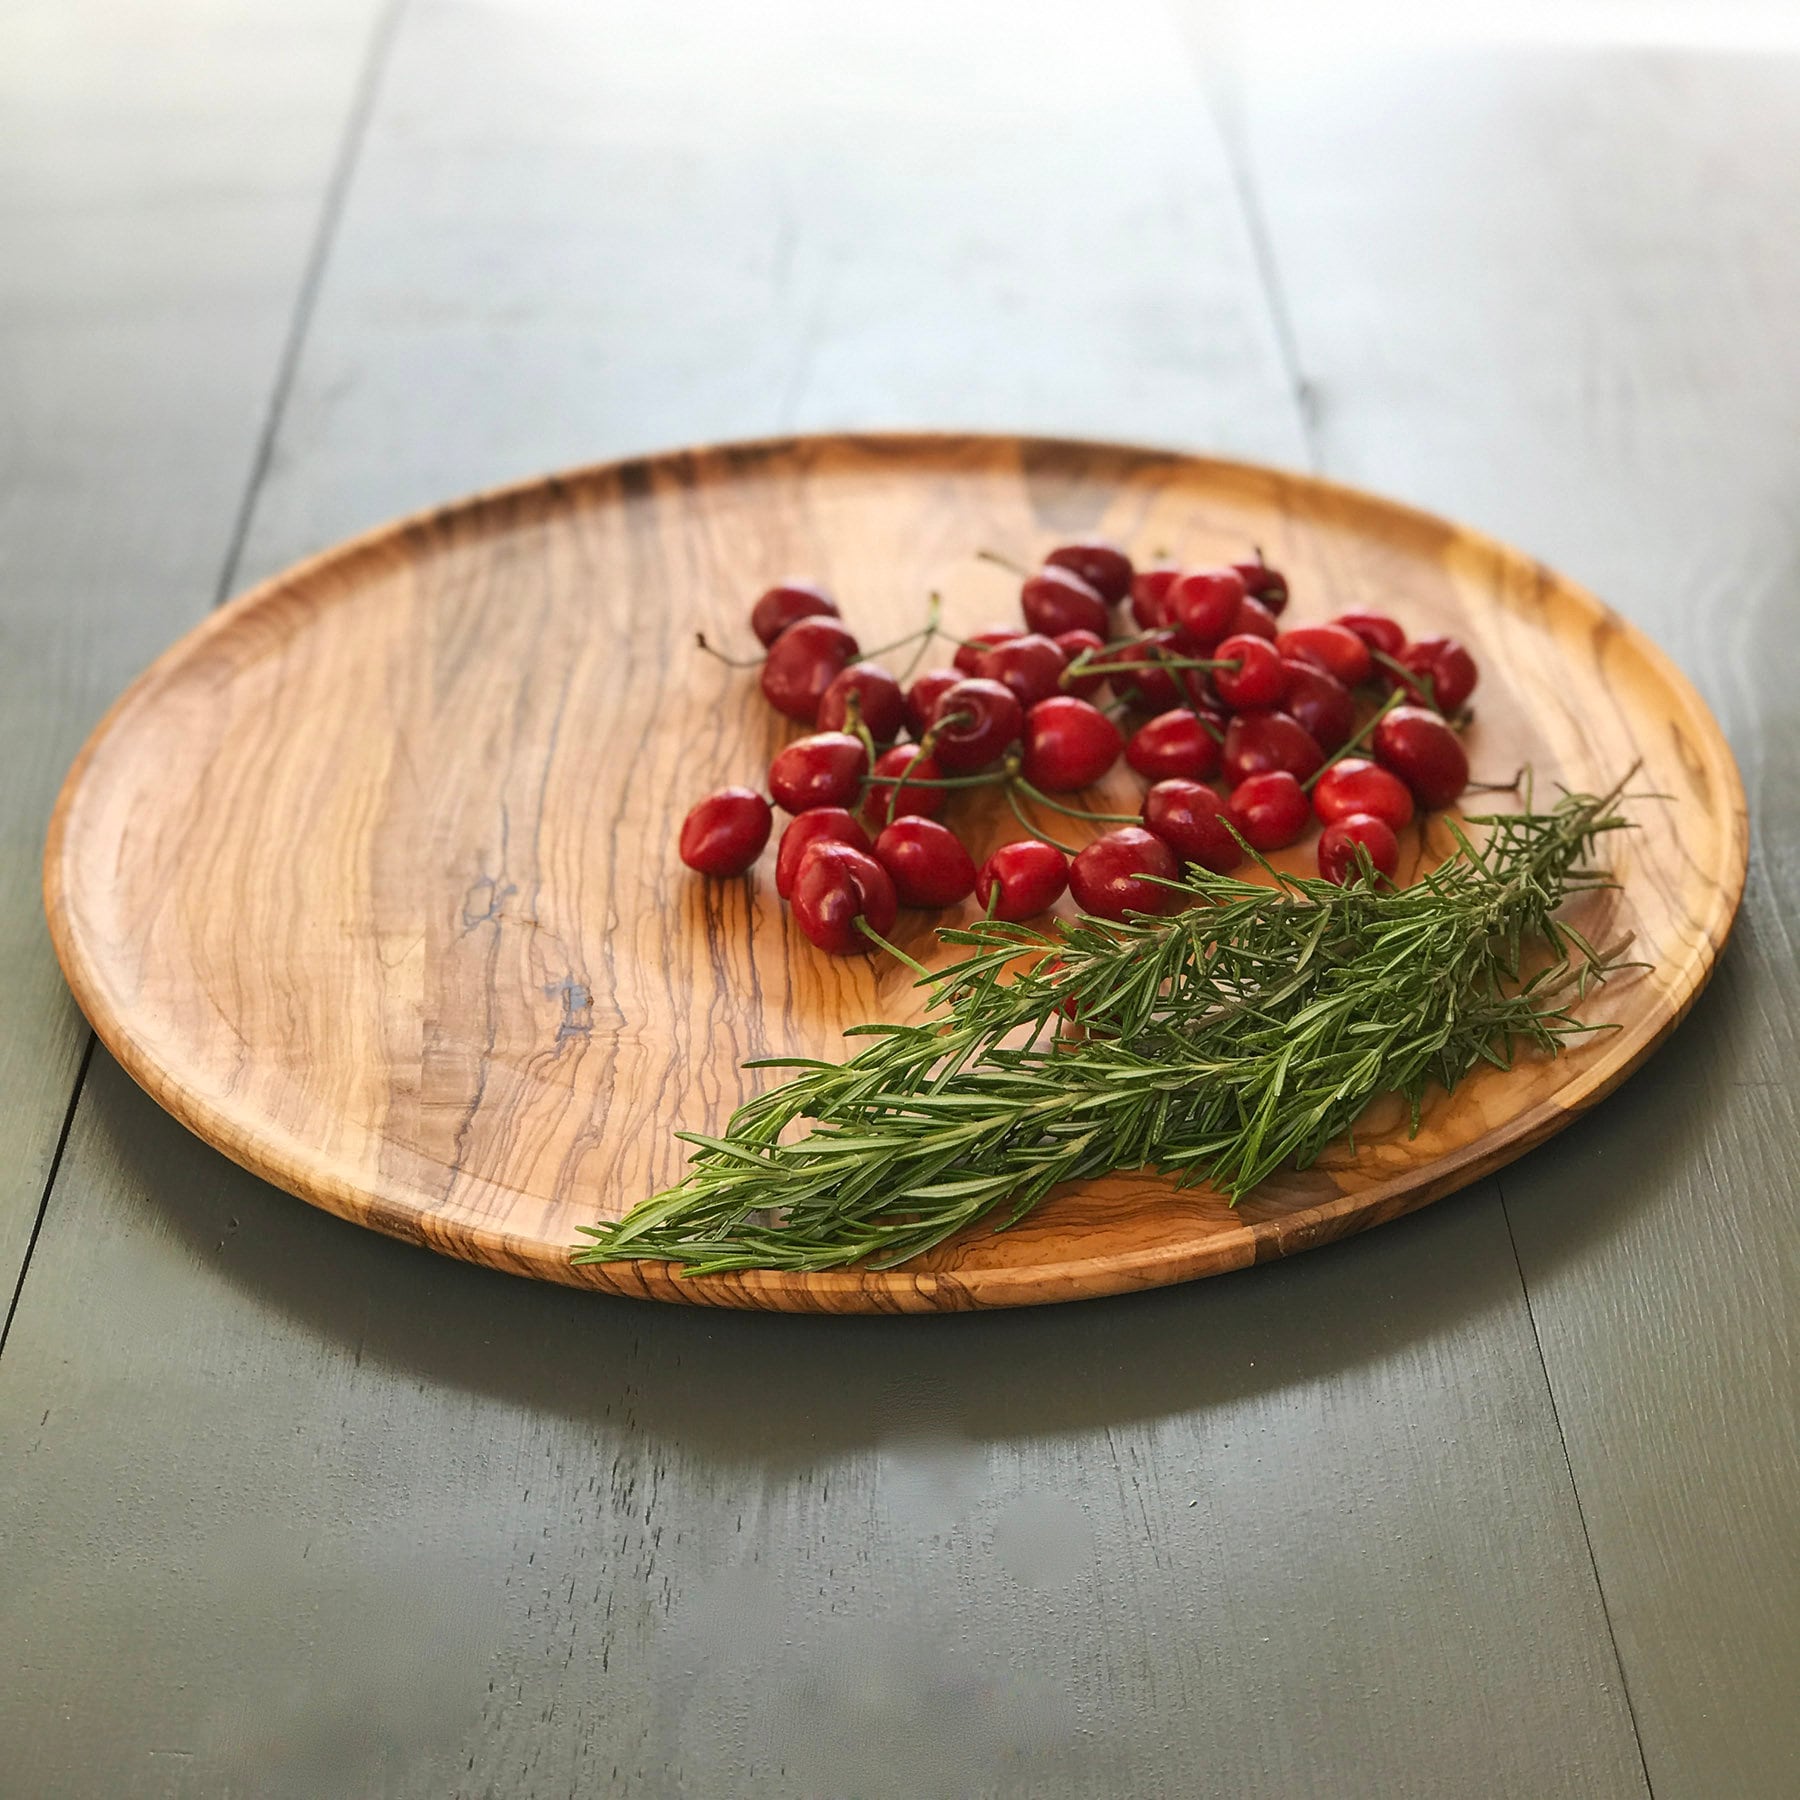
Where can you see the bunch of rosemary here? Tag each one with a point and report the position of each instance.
(1243, 1033)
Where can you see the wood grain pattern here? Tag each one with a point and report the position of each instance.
(371, 880)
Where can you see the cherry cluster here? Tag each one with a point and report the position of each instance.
(1213, 685)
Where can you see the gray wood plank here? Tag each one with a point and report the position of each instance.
(398, 1525)
(1554, 296)
(161, 175)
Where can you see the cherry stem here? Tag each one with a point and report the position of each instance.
(1497, 787)
(934, 607)
(1414, 679)
(1356, 742)
(854, 724)
(1081, 666)
(731, 662)
(991, 779)
(893, 949)
(1040, 798)
(1031, 824)
(912, 637)
(1004, 562)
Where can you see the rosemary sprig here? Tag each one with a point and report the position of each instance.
(1243, 1033)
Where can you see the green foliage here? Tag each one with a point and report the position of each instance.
(1241, 1034)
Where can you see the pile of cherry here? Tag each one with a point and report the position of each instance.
(1227, 691)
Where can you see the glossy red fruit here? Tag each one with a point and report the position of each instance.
(823, 770)
(885, 801)
(1147, 685)
(1108, 878)
(1416, 744)
(1334, 648)
(1253, 619)
(971, 650)
(1190, 818)
(926, 862)
(972, 724)
(726, 832)
(1150, 594)
(1260, 679)
(1447, 666)
(1068, 744)
(1321, 703)
(1030, 875)
(834, 886)
(1201, 606)
(1376, 630)
(1256, 743)
(1264, 583)
(1338, 844)
(1357, 785)
(1270, 810)
(1058, 600)
(880, 704)
(781, 606)
(828, 823)
(922, 697)
(1030, 665)
(1080, 643)
(1100, 563)
(1174, 743)
(803, 662)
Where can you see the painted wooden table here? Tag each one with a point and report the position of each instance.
(1497, 1500)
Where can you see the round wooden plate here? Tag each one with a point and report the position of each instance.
(371, 879)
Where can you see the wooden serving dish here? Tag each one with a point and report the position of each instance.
(371, 879)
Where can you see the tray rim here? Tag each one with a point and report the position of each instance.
(277, 1156)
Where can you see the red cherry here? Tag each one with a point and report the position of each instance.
(1080, 643)
(1030, 665)
(1258, 742)
(886, 801)
(926, 861)
(802, 663)
(1263, 583)
(1253, 619)
(781, 606)
(1269, 810)
(1058, 600)
(880, 704)
(1449, 668)
(1068, 744)
(1101, 564)
(1425, 753)
(823, 770)
(971, 650)
(1150, 594)
(922, 697)
(1321, 703)
(1190, 819)
(726, 832)
(834, 886)
(830, 823)
(1108, 878)
(1335, 648)
(1030, 875)
(1338, 842)
(1357, 785)
(1261, 677)
(1147, 685)
(972, 724)
(1202, 605)
(1376, 630)
(1174, 743)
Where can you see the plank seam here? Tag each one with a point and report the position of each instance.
(337, 187)
(1587, 1539)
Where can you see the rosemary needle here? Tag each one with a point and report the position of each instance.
(1242, 1034)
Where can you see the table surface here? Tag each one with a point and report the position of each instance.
(1499, 1500)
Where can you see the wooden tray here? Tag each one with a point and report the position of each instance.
(371, 879)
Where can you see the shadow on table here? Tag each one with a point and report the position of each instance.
(775, 1390)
